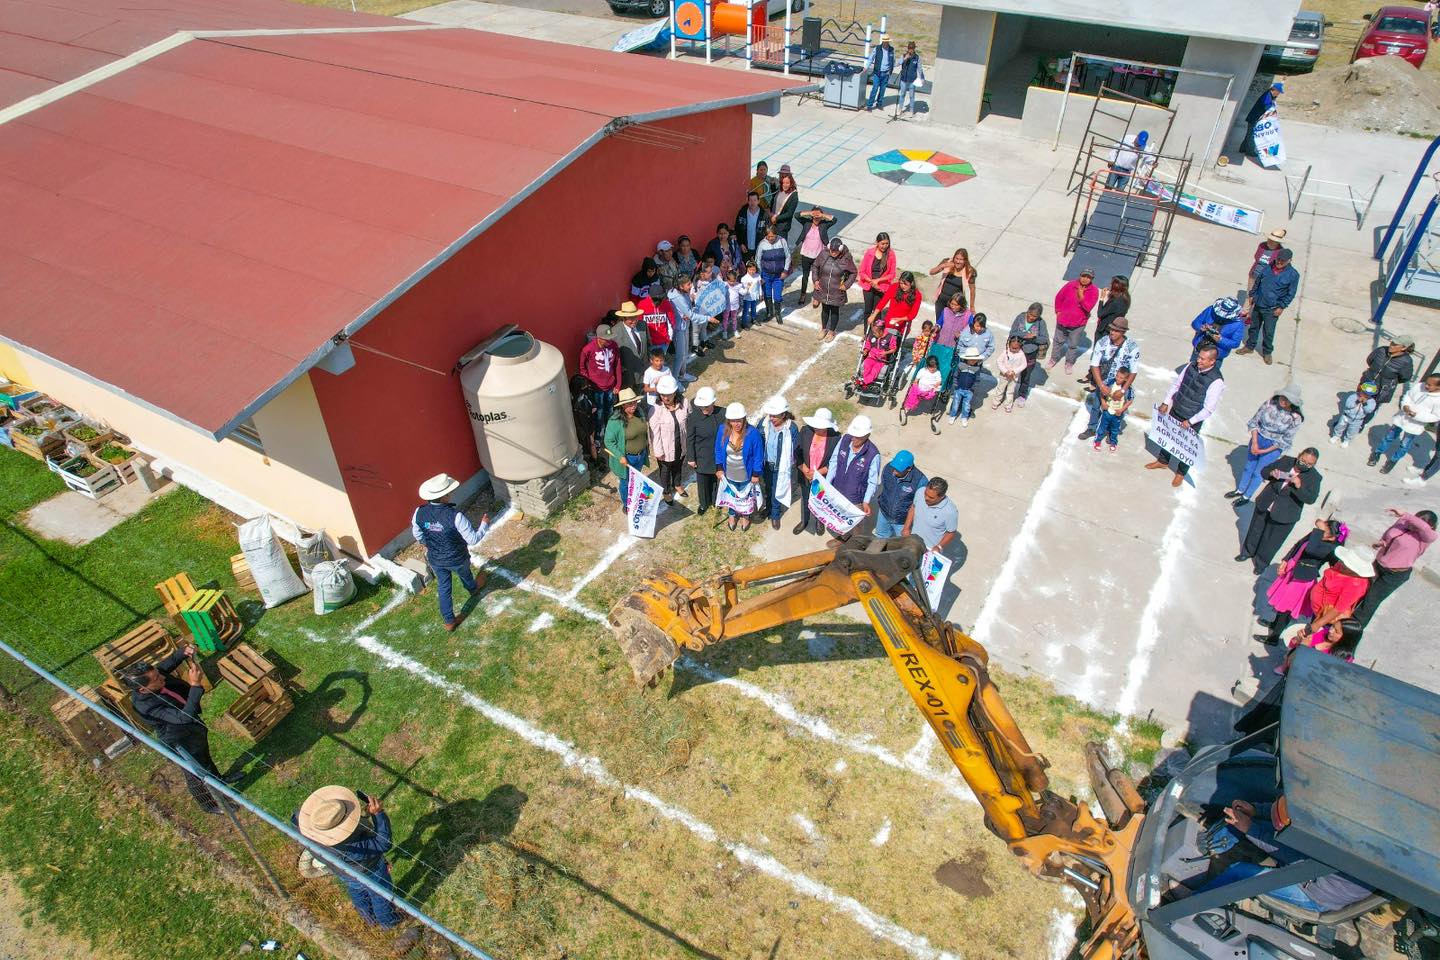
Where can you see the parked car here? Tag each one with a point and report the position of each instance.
(1302, 49)
(1395, 32)
(661, 8)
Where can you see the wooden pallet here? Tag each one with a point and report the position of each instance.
(243, 667)
(175, 592)
(150, 641)
(127, 469)
(81, 725)
(212, 620)
(240, 569)
(259, 710)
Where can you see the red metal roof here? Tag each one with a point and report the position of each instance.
(193, 230)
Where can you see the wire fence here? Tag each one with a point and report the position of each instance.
(352, 912)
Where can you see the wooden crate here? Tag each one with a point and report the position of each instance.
(47, 444)
(259, 710)
(125, 468)
(80, 447)
(212, 620)
(83, 726)
(150, 641)
(243, 667)
(175, 592)
(13, 394)
(116, 696)
(244, 579)
(101, 479)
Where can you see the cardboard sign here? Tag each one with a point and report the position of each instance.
(713, 299)
(739, 497)
(934, 571)
(1239, 218)
(832, 508)
(1266, 135)
(643, 497)
(1180, 442)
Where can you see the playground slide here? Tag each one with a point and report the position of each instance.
(651, 37)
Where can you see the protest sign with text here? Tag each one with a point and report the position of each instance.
(1182, 443)
(832, 508)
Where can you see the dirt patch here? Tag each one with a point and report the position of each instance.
(402, 747)
(966, 877)
(1385, 94)
(216, 526)
(25, 937)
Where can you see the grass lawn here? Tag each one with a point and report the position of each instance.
(778, 797)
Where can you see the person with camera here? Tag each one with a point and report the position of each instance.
(170, 705)
(357, 830)
(1220, 325)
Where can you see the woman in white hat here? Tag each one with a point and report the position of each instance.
(357, 830)
(740, 460)
(818, 440)
(1342, 586)
(702, 425)
(627, 440)
(447, 535)
(667, 437)
(782, 439)
(855, 465)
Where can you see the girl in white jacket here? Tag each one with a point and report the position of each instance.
(1419, 408)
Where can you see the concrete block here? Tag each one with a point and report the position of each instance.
(367, 572)
(403, 577)
(545, 495)
(419, 566)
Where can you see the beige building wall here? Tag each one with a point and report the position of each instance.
(295, 479)
(11, 368)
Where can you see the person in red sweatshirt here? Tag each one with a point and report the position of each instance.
(1073, 305)
(600, 366)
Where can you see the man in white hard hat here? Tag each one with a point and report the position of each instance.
(447, 534)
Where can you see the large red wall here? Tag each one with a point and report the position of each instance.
(553, 265)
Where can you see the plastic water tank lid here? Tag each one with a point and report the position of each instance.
(513, 347)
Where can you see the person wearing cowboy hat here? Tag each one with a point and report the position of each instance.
(1272, 244)
(170, 705)
(627, 440)
(1220, 324)
(782, 440)
(1116, 351)
(447, 534)
(633, 341)
(880, 63)
(963, 378)
(818, 440)
(855, 465)
(357, 830)
(702, 426)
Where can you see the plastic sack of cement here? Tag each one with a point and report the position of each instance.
(271, 569)
(334, 586)
(311, 549)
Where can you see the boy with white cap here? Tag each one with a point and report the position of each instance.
(447, 534)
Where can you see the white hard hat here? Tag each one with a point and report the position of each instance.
(735, 411)
(860, 426)
(776, 406)
(704, 397)
(666, 385)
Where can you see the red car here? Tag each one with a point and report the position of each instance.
(1395, 31)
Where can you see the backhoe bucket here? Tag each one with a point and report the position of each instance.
(637, 622)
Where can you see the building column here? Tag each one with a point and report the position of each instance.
(1197, 99)
(962, 58)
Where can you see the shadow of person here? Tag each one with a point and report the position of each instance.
(318, 713)
(440, 840)
(536, 554)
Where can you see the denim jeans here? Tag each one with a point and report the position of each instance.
(1092, 404)
(885, 528)
(776, 507)
(747, 314)
(1117, 181)
(443, 586)
(1255, 465)
(960, 403)
(604, 407)
(907, 90)
(1293, 894)
(1352, 419)
(879, 82)
(372, 907)
(681, 344)
(1262, 320)
(634, 461)
(1109, 428)
(1392, 435)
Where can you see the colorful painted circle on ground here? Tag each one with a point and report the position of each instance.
(921, 168)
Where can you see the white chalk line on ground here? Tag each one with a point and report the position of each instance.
(594, 769)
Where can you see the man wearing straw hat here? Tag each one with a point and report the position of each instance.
(357, 830)
(634, 342)
(881, 63)
(447, 534)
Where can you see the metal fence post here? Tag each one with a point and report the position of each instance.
(245, 839)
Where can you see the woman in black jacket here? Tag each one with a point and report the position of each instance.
(1114, 302)
(817, 442)
(701, 428)
(787, 201)
(1292, 484)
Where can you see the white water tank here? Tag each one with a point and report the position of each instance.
(519, 404)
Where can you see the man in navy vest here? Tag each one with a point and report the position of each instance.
(1193, 399)
(447, 535)
(881, 64)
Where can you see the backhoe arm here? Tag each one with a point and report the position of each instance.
(946, 674)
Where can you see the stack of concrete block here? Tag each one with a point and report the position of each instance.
(543, 497)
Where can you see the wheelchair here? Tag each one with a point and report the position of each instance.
(882, 389)
(933, 409)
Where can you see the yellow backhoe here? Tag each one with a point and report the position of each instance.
(1150, 890)
(945, 673)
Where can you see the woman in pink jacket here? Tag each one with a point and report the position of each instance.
(667, 437)
(877, 272)
(1073, 305)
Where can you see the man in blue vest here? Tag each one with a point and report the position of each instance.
(881, 63)
(900, 481)
(1193, 399)
(912, 75)
(447, 535)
